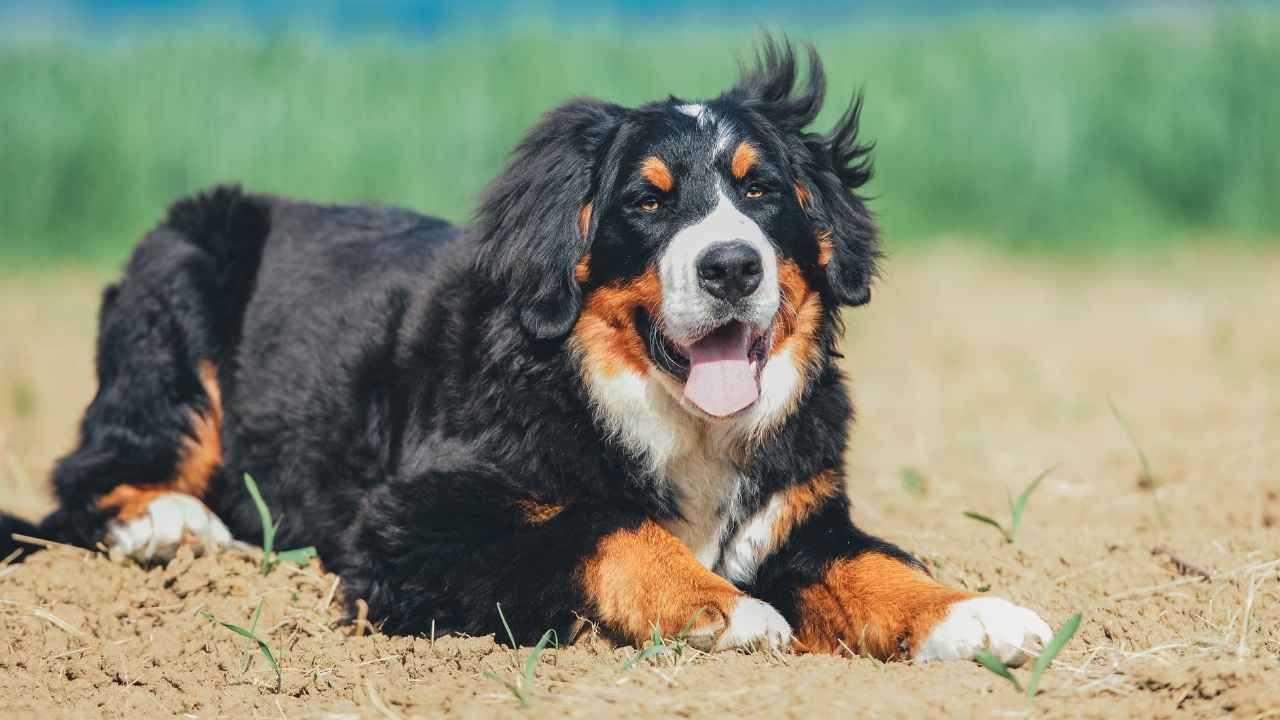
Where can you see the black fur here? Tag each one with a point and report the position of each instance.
(9, 526)
(397, 385)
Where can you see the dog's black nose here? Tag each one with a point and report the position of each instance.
(730, 270)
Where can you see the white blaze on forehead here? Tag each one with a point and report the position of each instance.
(724, 136)
(707, 120)
(699, 112)
(687, 310)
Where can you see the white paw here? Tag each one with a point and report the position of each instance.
(170, 521)
(1010, 632)
(754, 624)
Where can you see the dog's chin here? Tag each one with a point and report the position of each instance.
(714, 375)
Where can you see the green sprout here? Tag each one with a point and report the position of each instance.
(1059, 641)
(271, 558)
(523, 680)
(914, 482)
(1146, 479)
(660, 646)
(252, 635)
(1016, 509)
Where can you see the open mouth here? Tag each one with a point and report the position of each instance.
(720, 370)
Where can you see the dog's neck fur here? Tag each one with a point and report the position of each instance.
(702, 462)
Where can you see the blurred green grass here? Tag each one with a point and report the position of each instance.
(1061, 134)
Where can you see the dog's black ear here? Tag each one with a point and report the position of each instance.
(828, 168)
(534, 219)
(833, 168)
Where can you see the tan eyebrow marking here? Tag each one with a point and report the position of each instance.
(657, 173)
(744, 158)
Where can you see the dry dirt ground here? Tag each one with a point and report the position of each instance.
(976, 372)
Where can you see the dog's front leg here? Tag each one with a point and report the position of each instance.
(640, 576)
(846, 591)
(446, 548)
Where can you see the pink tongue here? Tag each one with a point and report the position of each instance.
(721, 380)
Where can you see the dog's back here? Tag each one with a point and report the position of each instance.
(217, 279)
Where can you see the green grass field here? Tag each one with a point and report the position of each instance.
(1059, 134)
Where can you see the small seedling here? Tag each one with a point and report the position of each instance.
(1059, 641)
(659, 646)
(523, 680)
(1146, 479)
(252, 635)
(271, 558)
(914, 482)
(656, 646)
(1016, 509)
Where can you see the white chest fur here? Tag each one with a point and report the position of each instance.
(707, 488)
(692, 457)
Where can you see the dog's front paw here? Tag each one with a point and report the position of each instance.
(170, 521)
(754, 625)
(985, 623)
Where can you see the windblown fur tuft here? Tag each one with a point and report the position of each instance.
(772, 87)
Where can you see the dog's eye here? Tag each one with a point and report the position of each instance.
(650, 203)
(755, 190)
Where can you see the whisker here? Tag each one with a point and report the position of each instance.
(655, 342)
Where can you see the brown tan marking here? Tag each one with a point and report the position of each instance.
(642, 577)
(801, 501)
(606, 330)
(824, 247)
(584, 220)
(802, 194)
(799, 316)
(657, 173)
(872, 604)
(536, 513)
(744, 158)
(789, 508)
(582, 271)
(823, 234)
(200, 455)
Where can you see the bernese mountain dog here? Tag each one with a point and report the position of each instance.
(615, 399)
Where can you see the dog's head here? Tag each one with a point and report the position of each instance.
(699, 245)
